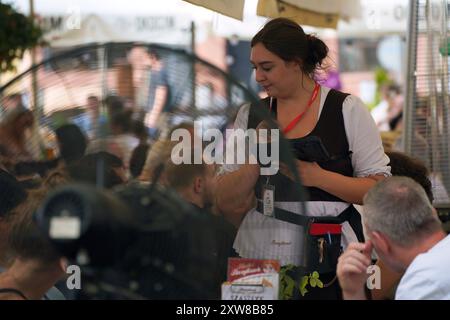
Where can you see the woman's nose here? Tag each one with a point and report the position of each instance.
(259, 75)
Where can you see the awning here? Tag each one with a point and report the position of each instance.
(316, 13)
(276, 9)
(230, 8)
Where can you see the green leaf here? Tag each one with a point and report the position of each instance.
(289, 267)
(319, 283)
(315, 275)
(304, 282)
(313, 282)
(289, 290)
(303, 291)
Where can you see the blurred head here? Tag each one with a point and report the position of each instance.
(26, 241)
(404, 165)
(397, 217)
(93, 104)
(18, 120)
(139, 130)
(100, 164)
(391, 91)
(155, 58)
(71, 141)
(114, 105)
(12, 195)
(12, 101)
(195, 182)
(121, 122)
(282, 54)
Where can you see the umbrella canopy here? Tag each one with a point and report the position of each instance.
(316, 13)
(92, 29)
(230, 8)
(276, 9)
(346, 9)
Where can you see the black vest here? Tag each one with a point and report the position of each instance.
(331, 130)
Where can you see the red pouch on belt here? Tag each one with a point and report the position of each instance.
(317, 229)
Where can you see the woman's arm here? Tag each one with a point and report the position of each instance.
(235, 192)
(369, 162)
(349, 189)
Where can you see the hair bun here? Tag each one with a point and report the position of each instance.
(318, 50)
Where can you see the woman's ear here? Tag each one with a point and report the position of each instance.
(295, 64)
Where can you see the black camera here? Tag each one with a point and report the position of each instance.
(134, 242)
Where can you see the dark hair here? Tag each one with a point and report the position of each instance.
(114, 104)
(86, 169)
(72, 142)
(286, 39)
(394, 88)
(138, 129)
(12, 193)
(138, 158)
(153, 52)
(404, 165)
(122, 120)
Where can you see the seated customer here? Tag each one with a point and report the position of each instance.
(12, 195)
(196, 183)
(401, 165)
(101, 169)
(406, 233)
(35, 266)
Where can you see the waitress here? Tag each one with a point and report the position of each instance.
(286, 60)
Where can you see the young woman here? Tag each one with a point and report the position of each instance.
(285, 61)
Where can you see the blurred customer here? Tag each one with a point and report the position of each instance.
(121, 141)
(389, 112)
(12, 194)
(15, 129)
(406, 233)
(36, 266)
(71, 144)
(159, 98)
(94, 121)
(102, 169)
(196, 183)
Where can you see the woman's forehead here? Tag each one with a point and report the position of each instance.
(259, 54)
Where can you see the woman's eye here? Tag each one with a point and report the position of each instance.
(267, 69)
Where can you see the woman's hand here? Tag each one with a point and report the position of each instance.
(310, 173)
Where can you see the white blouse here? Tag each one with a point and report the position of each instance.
(262, 237)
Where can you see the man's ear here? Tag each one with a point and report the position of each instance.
(198, 184)
(380, 242)
(63, 264)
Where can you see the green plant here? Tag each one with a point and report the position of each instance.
(382, 79)
(288, 284)
(17, 34)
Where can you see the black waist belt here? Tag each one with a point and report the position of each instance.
(350, 215)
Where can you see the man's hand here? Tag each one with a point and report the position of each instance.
(352, 270)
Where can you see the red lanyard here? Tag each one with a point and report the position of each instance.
(294, 122)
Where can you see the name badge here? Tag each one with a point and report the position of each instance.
(268, 198)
